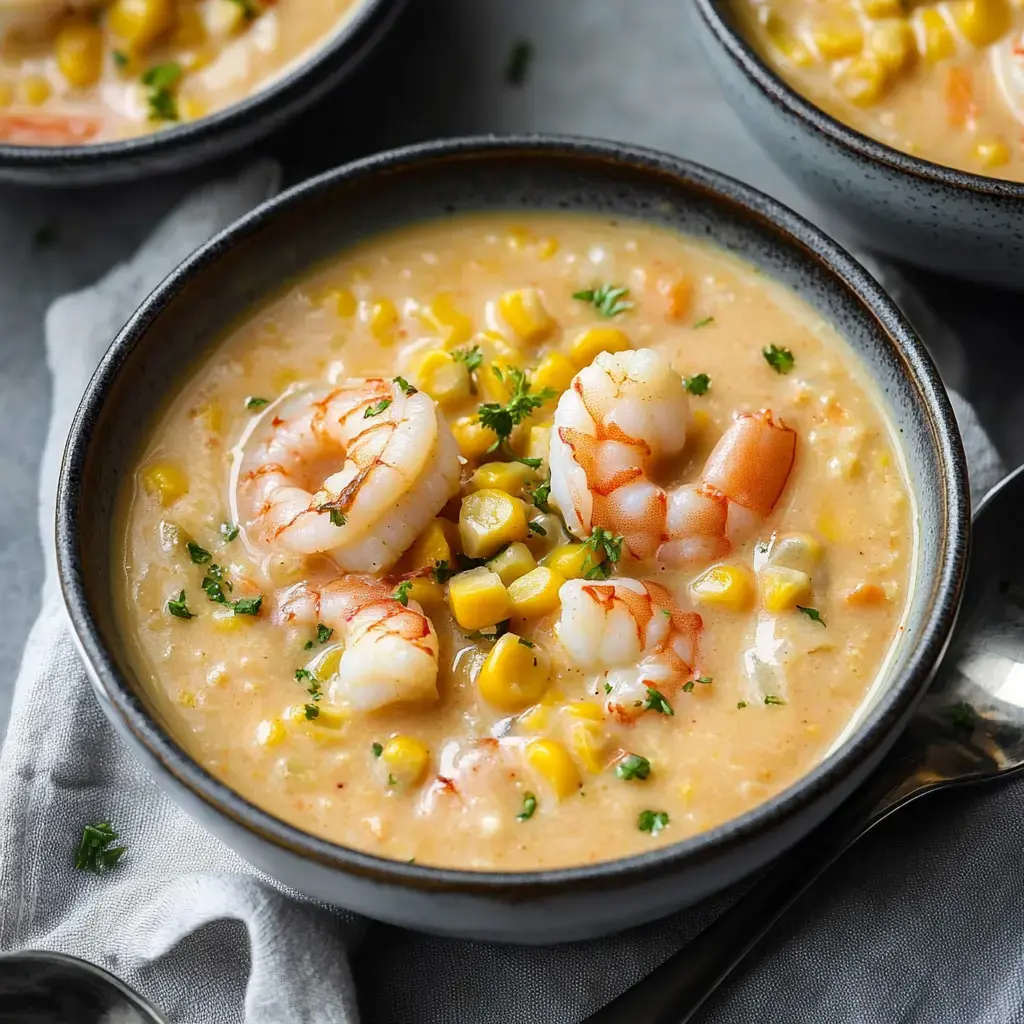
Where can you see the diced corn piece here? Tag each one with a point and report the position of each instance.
(863, 80)
(226, 621)
(512, 563)
(270, 732)
(546, 248)
(883, 8)
(535, 719)
(190, 29)
(502, 476)
(592, 341)
(164, 481)
(784, 40)
(552, 762)
(326, 717)
(865, 595)
(490, 519)
(935, 40)
(678, 293)
(140, 22)
(724, 586)
(572, 561)
(444, 378)
(35, 89)
(6, 94)
(406, 759)
(446, 320)
(513, 675)
(588, 709)
(478, 598)
(796, 551)
(473, 439)
(892, 42)
(425, 591)
(556, 370)
(535, 593)
(538, 442)
(981, 21)
(79, 51)
(783, 589)
(493, 378)
(437, 543)
(992, 152)
(341, 301)
(382, 318)
(837, 37)
(524, 311)
(589, 742)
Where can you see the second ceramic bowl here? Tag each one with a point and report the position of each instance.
(285, 238)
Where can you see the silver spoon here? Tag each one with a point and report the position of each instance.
(969, 728)
(40, 987)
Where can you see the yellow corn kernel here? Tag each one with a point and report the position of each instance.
(798, 551)
(503, 476)
(785, 41)
(226, 621)
(724, 586)
(406, 759)
(164, 481)
(830, 527)
(589, 743)
(436, 543)
(863, 80)
(865, 595)
(444, 378)
(341, 300)
(383, 319)
(514, 675)
(935, 40)
(556, 371)
(535, 719)
(473, 439)
(892, 42)
(6, 94)
(446, 320)
(535, 593)
(495, 388)
(783, 589)
(837, 37)
(490, 519)
(992, 152)
(325, 718)
(191, 108)
(140, 22)
(79, 52)
(572, 561)
(883, 8)
(524, 311)
(35, 89)
(546, 248)
(592, 341)
(190, 29)
(512, 563)
(478, 598)
(588, 709)
(425, 590)
(981, 21)
(327, 664)
(270, 732)
(552, 762)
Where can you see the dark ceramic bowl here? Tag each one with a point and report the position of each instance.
(951, 221)
(195, 142)
(282, 240)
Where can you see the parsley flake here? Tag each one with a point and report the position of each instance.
(229, 531)
(311, 711)
(401, 594)
(652, 821)
(94, 850)
(607, 687)
(812, 613)
(200, 556)
(442, 572)
(247, 605)
(500, 630)
(404, 385)
(255, 402)
(770, 698)
(162, 80)
(656, 702)
(781, 360)
(376, 749)
(698, 384)
(503, 418)
(178, 607)
(604, 550)
(121, 59)
(534, 527)
(526, 643)
(377, 408)
(633, 766)
(540, 494)
(608, 299)
(518, 63)
(741, 704)
(323, 633)
(703, 323)
(529, 806)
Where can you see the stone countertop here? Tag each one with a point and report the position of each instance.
(609, 68)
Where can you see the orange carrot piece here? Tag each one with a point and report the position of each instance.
(960, 106)
(865, 594)
(47, 129)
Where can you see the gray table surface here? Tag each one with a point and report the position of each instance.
(611, 68)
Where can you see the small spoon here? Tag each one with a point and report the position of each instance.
(968, 728)
(40, 987)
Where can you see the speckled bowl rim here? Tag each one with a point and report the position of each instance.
(284, 89)
(781, 92)
(889, 712)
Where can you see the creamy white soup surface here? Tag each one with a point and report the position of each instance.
(509, 542)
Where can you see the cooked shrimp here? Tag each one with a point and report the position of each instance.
(355, 473)
(621, 414)
(632, 635)
(391, 648)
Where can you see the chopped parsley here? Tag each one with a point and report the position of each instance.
(607, 551)
(518, 63)
(741, 704)
(162, 80)
(500, 630)
(250, 9)
(962, 716)
(698, 384)
(529, 806)
(442, 572)
(336, 514)
(392, 781)
(178, 607)
(247, 605)
(688, 685)
(471, 358)
(214, 583)
(652, 821)
(656, 702)
(633, 766)
(376, 749)
(703, 323)
(95, 852)
(121, 59)
(608, 299)
(607, 687)
(377, 408)
(401, 594)
(229, 531)
(200, 556)
(526, 643)
(311, 711)
(781, 360)
(404, 385)
(540, 494)
(303, 675)
(770, 698)
(255, 402)
(534, 527)
(503, 418)
(323, 634)
(812, 613)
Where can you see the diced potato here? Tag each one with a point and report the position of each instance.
(724, 586)
(406, 759)
(270, 732)
(490, 519)
(425, 591)
(140, 22)
(556, 371)
(512, 563)
(992, 152)
(444, 318)
(478, 598)
(164, 481)
(437, 543)
(535, 593)
(935, 40)
(572, 561)
(589, 742)
(592, 341)
(503, 476)
(981, 21)
(474, 440)
(382, 318)
(863, 80)
(514, 674)
(796, 551)
(865, 595)
(444, 378)
(79, 52)
(836, 37)
(552, 762)
(783, 589)
(524, 311)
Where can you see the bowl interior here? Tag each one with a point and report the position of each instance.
(224, 282)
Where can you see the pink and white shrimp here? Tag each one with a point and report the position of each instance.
(632, 635)
(354, 473)
(626, 411)
(391, 649)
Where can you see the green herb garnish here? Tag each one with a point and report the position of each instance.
(607, 550)
(161, 80)
(519, 58)
(526, 643)
(255, 402)
(336, 514)
(503, 418)
(471, 358)
(540, 494)
(376, 749)
(741, 704)
(178, 607)
(247, 605)
(608, 299)
(633, 766)
(529, 806)
(656, 702)
(652, 821)
(770, 698)
(781, 360)
(607, 687)
(812, 613)
(401, 594)
(95, 852)
(404, 385)
(698, 384)
(377, 408)
(311, 711)
(534, 527)
(229, 531)
(441, 572)
(121, 59)
(200, 556)
(703, 323)
(251, 9)
(500, 629)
